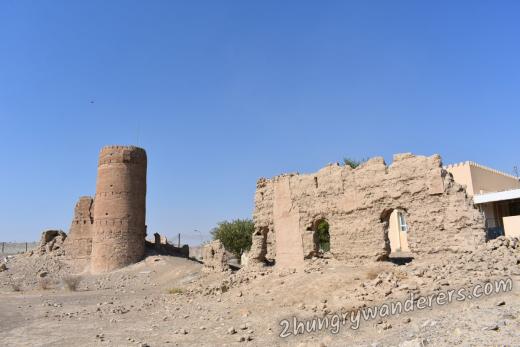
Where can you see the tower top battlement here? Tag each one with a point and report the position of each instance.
(122, 154)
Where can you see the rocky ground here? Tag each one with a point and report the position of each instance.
(169, 301)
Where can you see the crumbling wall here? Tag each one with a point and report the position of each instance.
(161, 246)
(78, 244)
(50, 241)
(355, 203)
(214, 257)
(119, 230)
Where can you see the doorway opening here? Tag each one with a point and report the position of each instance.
(321, 236)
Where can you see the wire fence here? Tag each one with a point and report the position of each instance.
(10, 248)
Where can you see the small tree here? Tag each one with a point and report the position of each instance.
(236, 236)
(323, 236)
(353, 163)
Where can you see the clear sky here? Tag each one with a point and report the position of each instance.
(221, 93)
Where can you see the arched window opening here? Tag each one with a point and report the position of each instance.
(396, 230)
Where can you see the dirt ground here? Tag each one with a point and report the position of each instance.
(169, 301)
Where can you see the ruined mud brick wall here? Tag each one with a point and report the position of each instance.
(214, 257)
(78, 244)
(163, 247)
(355, 203)
(50, 241)
(119, 229)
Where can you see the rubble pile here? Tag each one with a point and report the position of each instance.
(27, 270)
(499, 258)
(50, 241)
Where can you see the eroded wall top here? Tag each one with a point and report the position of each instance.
(355, 203)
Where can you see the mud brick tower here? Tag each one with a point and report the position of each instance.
(119, 230)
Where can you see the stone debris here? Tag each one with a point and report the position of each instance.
(493, 327)
(414, 343)
(50, 241)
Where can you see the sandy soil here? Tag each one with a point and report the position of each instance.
(168, 301)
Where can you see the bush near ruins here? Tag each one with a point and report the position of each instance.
(353, 163)
(71, 282)
(175, 290)
(323, 236)
(235, 235)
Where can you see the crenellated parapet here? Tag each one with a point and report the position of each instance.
(122, 154)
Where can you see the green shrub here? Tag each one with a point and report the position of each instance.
(353, 163)
(236, 236)
(323, 236)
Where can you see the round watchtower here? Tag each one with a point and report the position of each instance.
(119, 232)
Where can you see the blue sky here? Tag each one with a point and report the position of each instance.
(221, 93)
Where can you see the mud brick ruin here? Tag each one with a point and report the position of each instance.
(109, 231)
(78, 244)
(162, 246)
(357, 203)
(215, 257)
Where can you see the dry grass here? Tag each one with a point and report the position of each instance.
(71, 282)
(44, 283)
(175, 291)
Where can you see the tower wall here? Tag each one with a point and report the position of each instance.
(120, 208)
